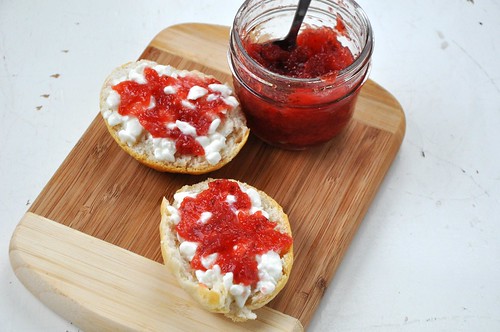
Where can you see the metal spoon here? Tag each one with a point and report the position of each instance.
(290, 40)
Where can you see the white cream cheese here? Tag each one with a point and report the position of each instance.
(231, 199)
(164, 149)
(186, 128)
(188, 249)
(205, 216)
(270, 269)
(170, 90)
(213, 143)
(174, 214)
(212, 97)
(196, 92)
(225, 93)
(256, 202)
(213, 126)
(188, 104)
(164, 70)
(113, 99)
(240, 293)
(227, 128)
(181, 73)
(137, 74)
(231, 101)
(115, 118)
(131, 131)
(208, 261)
(179, 197)
(223, 89)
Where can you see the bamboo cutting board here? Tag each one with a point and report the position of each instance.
(89, 245)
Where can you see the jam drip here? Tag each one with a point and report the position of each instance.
(232, 232)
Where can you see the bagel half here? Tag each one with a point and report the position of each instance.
(220, 145)
(218, 295)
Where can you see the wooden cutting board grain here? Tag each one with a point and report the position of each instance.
(89, 245)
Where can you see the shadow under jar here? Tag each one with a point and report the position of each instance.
(283, 108)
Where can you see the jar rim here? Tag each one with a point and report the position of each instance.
(363, 56)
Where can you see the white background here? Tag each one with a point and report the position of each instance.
(427, 255)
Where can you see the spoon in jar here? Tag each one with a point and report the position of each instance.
(290, 40)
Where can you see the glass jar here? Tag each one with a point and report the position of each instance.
(296, 113)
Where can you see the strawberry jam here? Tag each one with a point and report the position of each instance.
(155, 108)
(318, 53)
(232, 232)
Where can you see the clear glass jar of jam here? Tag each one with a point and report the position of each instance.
(305, 105)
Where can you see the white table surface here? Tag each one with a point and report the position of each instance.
(427, 255)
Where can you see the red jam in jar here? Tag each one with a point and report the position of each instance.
(306, 95)
(318, 53)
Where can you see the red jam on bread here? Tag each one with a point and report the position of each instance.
(172, 120)
(230, 229)
(162, 100)
(228, 244)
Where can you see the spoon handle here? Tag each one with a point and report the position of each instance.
(300, 13)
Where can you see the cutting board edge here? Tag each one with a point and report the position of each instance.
(45, 276)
